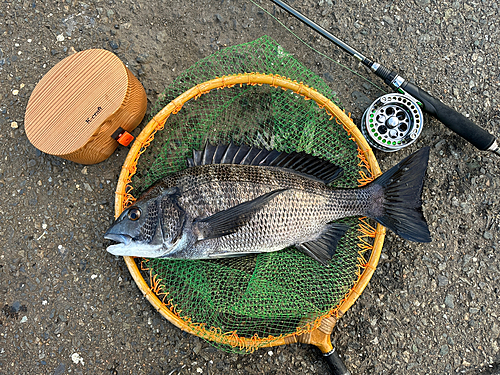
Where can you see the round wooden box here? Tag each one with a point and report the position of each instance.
(79, 105)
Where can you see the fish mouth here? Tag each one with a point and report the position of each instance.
(126, 247)
(122, 247)
(123, 239)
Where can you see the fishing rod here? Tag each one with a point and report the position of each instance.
(395, 120)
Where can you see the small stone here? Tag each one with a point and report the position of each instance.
(75, 357)
(24, 319)
(442, 280)
(53, 52)
(473, 323)
(473, 310)
(15, 307)
(197, 347)
(388, 20)
(60, 370)
(60, 38)
(487, 235)
(142, 58)
(444, 350)
(495, 330)
(113, 44)
(14, 125)
(448, 301)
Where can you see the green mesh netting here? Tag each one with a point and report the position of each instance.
(265, 295)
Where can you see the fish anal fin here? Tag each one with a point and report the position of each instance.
(323, 248)
(229, 221)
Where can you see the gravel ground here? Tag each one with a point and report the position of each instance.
(70, 307)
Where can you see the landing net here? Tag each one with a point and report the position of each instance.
(241, 304)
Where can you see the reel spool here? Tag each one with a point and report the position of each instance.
(392, 122)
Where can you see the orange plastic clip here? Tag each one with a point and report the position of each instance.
(123, 137)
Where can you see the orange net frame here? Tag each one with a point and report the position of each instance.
(314, 329)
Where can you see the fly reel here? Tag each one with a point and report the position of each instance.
(392, 122)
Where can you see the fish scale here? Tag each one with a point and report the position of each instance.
(237, 200)
(298, 214)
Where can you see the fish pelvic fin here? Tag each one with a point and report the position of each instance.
(398, 204)
(323, 248)
(229, 221)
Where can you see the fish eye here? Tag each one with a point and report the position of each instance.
(134, 213)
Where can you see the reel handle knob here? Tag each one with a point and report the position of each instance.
(453, 120)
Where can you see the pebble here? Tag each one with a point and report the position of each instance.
(60, 38)
(14, 125)
(448, 301)
(75, 357)
(473, 323)
(15, 307)
(487, 235)
(142, 58)
(113, 44)
(60, 369)
(442, 280)
(495, 330)
(388, 20)
(444, 350)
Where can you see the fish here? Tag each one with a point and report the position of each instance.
(235, 200)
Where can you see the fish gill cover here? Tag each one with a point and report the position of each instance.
(266, 296)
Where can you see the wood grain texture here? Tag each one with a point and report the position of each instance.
(80, 102)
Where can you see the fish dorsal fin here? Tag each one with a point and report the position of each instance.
(246, 155)
(229, 221)
(323, 248)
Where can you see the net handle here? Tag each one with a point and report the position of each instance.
(122, 197)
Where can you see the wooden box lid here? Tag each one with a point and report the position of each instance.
(80, 103)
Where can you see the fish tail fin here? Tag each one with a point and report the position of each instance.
(399, 199)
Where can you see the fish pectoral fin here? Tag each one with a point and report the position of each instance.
(229, 221)
(323, 248)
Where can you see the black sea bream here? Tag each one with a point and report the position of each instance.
(237, 200)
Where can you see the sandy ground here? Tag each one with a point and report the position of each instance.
(70, 307)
